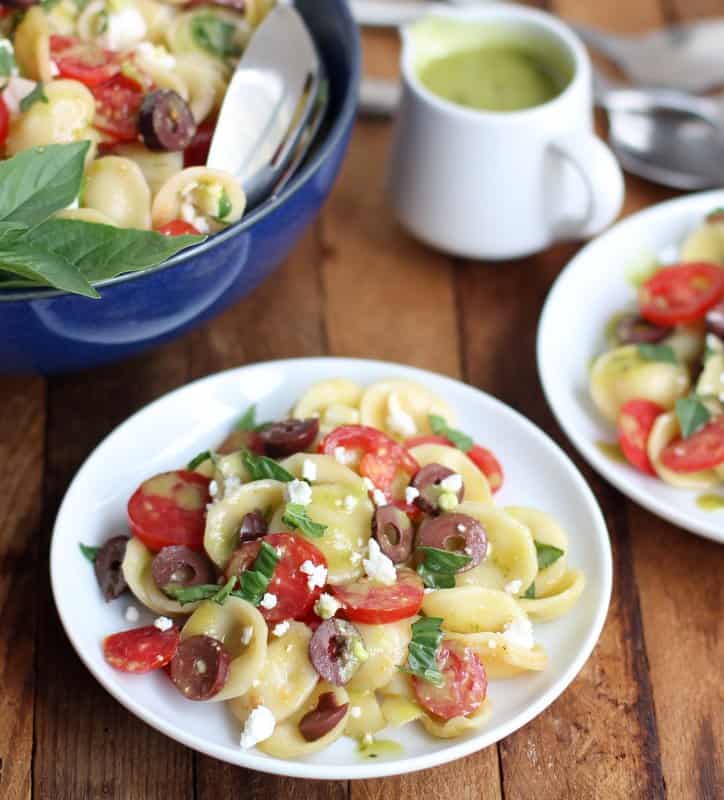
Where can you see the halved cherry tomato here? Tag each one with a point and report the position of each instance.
(83, 61)
(484, 459)
(374, 603)
(383, 457)
(702, 450)
(635, 422)
(169, 509)
(4, 121)
(141, 649)
(197, 152)
(289, 584)
(117, 104)
(682, 293)
(465, 683)
(241, 440)
(177, 227)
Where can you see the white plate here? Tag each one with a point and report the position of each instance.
(586, 294)
(173, 429)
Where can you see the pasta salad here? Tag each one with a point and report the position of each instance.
(336, 573)
(661, 382)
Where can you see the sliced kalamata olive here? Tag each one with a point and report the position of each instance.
(181, 566)
(108, 567)
(393, 530)
(325, 717)
(336, 650)
(634, 329)
(165, 121)
(289, 437)
(715, 320)
(427, 482)
(253, 526)
(200, 667)
(457, 533)
(242, 558)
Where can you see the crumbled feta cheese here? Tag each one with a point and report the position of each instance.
(268, 601)
(713, 342)
(281, 628)
(344, 456)
(231, 484)
(246, 634)
(125, 28)
(259, 726)
(355, 712)
(189, 211)
(519, 632)
(309, 470)
(54, 71)
(213, 488)
(368, 483)
(163, 623)
(153, 56)
(398, 420)
(350, 502)
(299, 492)
(317, 574)
(427, 590)
(326, 606)
(453, 483)
(379, 498)
(378, 566)
(16, 90)
(411, 494)
(132, 614)
(513, 587)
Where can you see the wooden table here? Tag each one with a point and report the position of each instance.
(644, 718)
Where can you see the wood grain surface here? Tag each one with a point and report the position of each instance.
(644, 719)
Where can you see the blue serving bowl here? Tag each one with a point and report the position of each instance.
(49, 331)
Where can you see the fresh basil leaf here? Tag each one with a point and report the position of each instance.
(224, 205)
(89, 552)
(215, 35)
(547, 554)
(8, 66)
(225, 590)
(254, 582)
(438, 567)
(198, 460)
(297, 517)
(49, 5)
(657, 352)
(440, 427)
(529, 593)
(692, 415)
(36, 265)
(247, 422)
(190, 594)
(422, 650)
(39, 181)
(261, 467)
(37, 95)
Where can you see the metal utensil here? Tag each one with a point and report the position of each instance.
(273, 106)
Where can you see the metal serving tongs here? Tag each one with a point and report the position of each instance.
(274, 106)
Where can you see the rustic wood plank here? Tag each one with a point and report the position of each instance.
(87, 745)
(22, 442)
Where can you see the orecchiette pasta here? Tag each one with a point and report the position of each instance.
(401, 408)
(335, 401)
(117, 188)
(157, 167)
(665, 430)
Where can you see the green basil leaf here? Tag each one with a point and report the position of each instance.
(438, 567)
(191, 594)
(422, 650)
(297, 517)
(8, 66)
(39, 181)
(261, 467)
(530, 592)
(224, 205)
(215, 35)
(692, 415)
(254, 582)
(198, 460)
(89, 552)
(440, 427)
(547, 554)
(657, 352)
(38, 266)
(225, 591)
(37, 95)
(247, 422)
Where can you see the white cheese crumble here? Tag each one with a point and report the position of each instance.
(299, 492)
(326, 606)
(317, 574)
(355, 712)
(368, 484)
(163, 623)
(231, 484)
(189, 211)
(350, 502)
(379, 498)
(246, 634)
(344, 456)
(132, 614)
(154, 56)
(213, 488)
(411, 494)
(259, 726)
(268, 601)
(309, 470)
(513, 587)
(15, 91)
(281, 628)
(398, 420)
(453, 483)
(54, 71)
(519, 633)
(378, 566)
(126, 27)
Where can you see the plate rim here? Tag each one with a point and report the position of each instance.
(608, 470)
(248, 759)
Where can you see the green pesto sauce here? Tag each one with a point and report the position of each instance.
(379, 748)
(710, 502)
(501, 77)
(611, 450)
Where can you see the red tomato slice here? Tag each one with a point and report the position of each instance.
(634, 427)
(381, 470)
(703, 450)
(682, 293)
(141, 649)
(197, 152)
(484, 459)
(117, 104)
(374, 603)
(83, 61)
(169, 509)
(464, 688)
(177, 227)
(289, 584)
(241, 440)
(4, 121)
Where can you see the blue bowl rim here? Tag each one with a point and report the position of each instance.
(335, 134)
